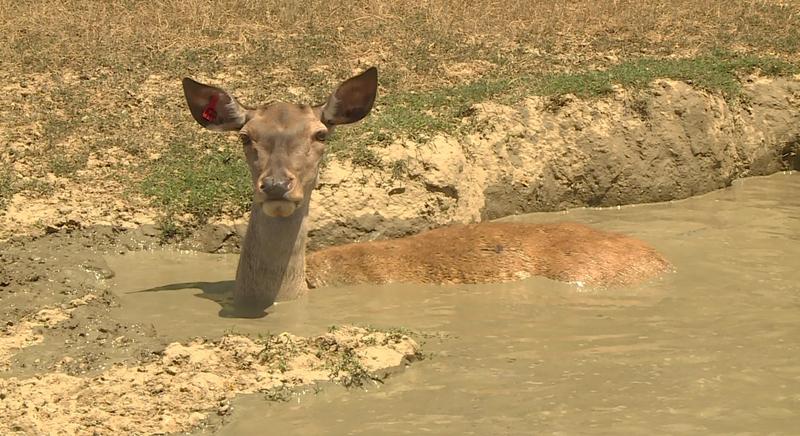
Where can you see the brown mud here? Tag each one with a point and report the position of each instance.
(65, 352)
(188, 382)
(54, 271)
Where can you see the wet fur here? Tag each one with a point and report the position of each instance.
(489, 253)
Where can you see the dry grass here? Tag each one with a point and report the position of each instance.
(409, 37)
(96, 81)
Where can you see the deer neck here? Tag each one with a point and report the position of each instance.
(272, 262)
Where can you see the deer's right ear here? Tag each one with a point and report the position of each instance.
(214, 108)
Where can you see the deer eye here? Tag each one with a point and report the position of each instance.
(321, 135)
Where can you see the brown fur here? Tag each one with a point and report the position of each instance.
(491, 252)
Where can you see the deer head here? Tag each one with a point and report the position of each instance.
(283, 142)
(283, 145)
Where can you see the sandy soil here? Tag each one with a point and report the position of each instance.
(189, 381)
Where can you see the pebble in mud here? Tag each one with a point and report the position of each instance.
(223, 409)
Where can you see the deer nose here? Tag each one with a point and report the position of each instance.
(276, 189)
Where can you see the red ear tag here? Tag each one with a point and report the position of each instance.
(210, 112)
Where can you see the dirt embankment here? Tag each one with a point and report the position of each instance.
(668, 142)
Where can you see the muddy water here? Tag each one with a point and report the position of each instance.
(712, 348)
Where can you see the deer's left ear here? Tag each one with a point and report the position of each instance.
(352, 100)
(214, 108)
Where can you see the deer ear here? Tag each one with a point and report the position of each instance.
(352, 100)
(214, 108)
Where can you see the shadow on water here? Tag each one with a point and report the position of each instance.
(220, 292)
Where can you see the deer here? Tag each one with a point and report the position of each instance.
(284, 144)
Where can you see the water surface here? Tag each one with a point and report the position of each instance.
(709, 349)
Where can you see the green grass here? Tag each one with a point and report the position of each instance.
(171, 230)
(347, 369)
(38, 187)
(416, 116)
(716, 72)
(202, 183)
(66, 165)
(399, 169)
(279, 394)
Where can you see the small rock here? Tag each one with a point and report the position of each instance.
(224, 409)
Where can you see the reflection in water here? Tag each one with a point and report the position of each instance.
(710, 348)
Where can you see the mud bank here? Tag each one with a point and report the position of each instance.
(65, 353)
(671, 141)
(178, 391)
(55, 272)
